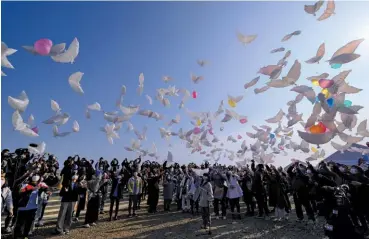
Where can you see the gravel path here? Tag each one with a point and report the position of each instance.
(176, 225)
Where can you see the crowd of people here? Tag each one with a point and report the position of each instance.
(339, 193)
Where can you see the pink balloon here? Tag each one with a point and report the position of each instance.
(324, 83)
(239, 137)
(196, 130)
(243, 121)
(211, 131)
(281, 147)
(43, 46)
(35, 129)
(194, 94)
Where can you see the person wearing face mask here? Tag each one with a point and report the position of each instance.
(205, 195)
(234, 193)
(184, 189)
(69, 195)
(359, 195)
(116, 194)
(44, 197)
(94, 197)
(301, 192)
(219, 193)
(134, 190)
(194, 189)
(67, 172)
(104, 187)
(168, 188)
(6, 202)
(82, 193)
(259, 190)
(153, 189)
(247, 192)
(27, 207)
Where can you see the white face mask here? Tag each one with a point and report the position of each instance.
(205, 178)
(2, 182)
(308, 171)
(342, 169)
(135, 174)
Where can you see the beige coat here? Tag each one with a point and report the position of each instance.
(206, 195)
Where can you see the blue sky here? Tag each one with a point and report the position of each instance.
(119, 40)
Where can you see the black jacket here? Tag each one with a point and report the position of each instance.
(71, 195)
(116, 182)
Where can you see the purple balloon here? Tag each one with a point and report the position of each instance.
(43, 46)
(196, 130)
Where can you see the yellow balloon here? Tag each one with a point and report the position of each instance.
(314, 149)
(290, 134)
(315, 82)
(198, 122)
(326, 93)
(231, 103)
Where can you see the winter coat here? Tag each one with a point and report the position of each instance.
(205, 194)
(234, 189)
(6, 199)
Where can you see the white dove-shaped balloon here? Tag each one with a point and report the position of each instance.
(5, 52)
(346, 53)
(69, 55)
(141, 79)
(329, 11)
(312, 9)
(75, 126)
(19, 103)
(166, 79)
(176, 120)
(95, 106)
(75, 82)
(58, 118)
(149, 99)
(31, 120)
(55, 106)
(39, 150)
(139, 135)
(246, 39)
(22, 127)
(277, 118)
(319, 55)
(196, 79)
(57, 134)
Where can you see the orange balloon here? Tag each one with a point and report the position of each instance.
(316, 129)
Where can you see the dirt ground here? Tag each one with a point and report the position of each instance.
(176, 225)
